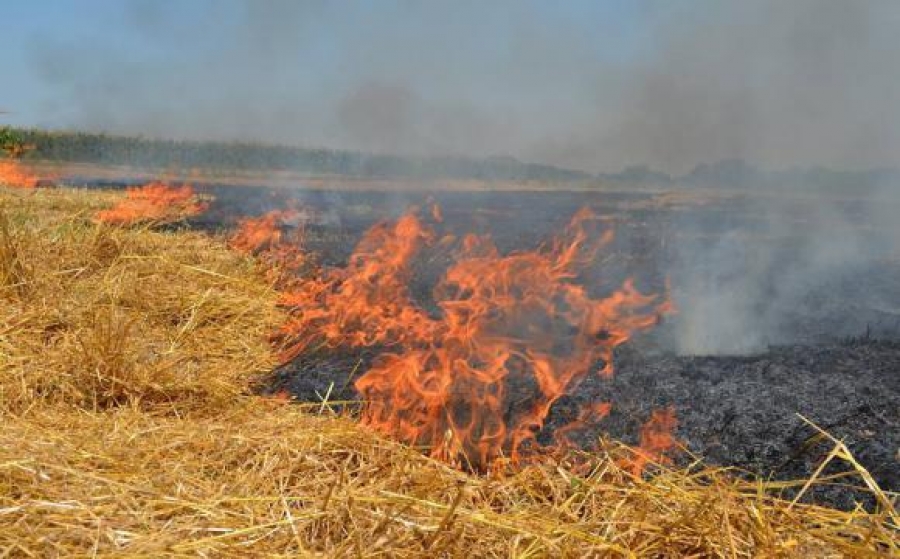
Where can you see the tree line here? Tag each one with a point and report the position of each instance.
(87, 147)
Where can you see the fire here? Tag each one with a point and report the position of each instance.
(367, 303)
(475, 381)
(656, 440)
(259, 233)
(264, 237)
(590, 414)
(13, 174)
(154, 202)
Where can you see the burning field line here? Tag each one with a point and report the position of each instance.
(127, 358)
(154, 203)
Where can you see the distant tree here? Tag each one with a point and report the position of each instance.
(11, 143)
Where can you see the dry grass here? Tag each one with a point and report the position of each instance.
(262, 478)
(97, 316)
(127, 430)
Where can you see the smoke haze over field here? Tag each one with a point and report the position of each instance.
(788, 271)
(588, 85)
(595, 86)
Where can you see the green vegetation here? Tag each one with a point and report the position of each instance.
(11, 142)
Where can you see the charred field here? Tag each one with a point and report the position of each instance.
(777, 334)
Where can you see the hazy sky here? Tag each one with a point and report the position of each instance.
(587, 84)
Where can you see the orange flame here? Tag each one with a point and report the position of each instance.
(13, 174)
(258, 233)
(591, 413)
(656, 440)
(264, 237)
(515, 333)
(367, 303)
(154, 202)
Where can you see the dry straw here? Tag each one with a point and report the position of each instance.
(129, 429)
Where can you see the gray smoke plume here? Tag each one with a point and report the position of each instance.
(782, 269)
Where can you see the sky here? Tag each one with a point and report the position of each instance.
(593, 85)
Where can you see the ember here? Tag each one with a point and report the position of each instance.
(154, 202)
(514, 334)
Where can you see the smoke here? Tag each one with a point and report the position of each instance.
(587, 85)
(779, 269)
(776, 83)
(593, 86)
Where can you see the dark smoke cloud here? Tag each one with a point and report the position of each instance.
(669, 84)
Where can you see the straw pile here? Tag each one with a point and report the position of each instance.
(129, 429)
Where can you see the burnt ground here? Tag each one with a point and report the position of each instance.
(742, 411)
(732, 411)
(804, 316)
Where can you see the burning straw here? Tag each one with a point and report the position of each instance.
(14, 174)
(514, 334)
(128, 429)
(155, 202)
